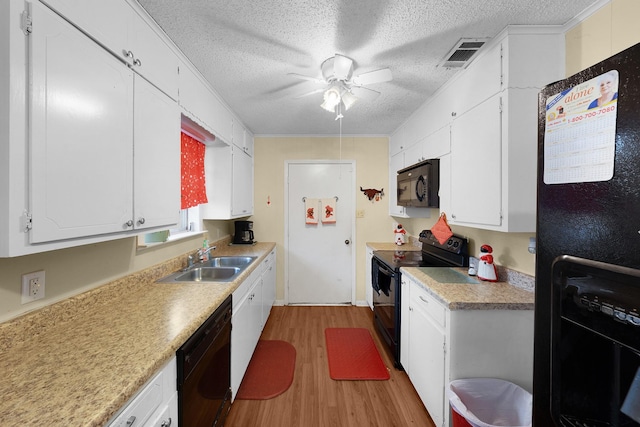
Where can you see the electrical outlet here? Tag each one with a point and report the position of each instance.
(32, 286)
(360, 213)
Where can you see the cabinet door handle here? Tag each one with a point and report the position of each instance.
(137, 62)
(129, 223)
(141, 221)
(127, 54)
(423, 299)
(166, 423)
(130, 421)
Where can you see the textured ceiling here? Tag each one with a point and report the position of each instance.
(245, 48)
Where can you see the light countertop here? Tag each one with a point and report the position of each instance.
(77, 362)
(464, 296)
(472, 296)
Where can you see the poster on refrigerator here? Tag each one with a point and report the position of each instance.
(580, 131)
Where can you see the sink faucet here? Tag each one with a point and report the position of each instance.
(198, 255)
(203, 252)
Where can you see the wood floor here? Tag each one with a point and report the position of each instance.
(314, 399)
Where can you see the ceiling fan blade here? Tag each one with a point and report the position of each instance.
(365, 93)
(309, 93)
(302, 77)
(378, 76)
(342, 67)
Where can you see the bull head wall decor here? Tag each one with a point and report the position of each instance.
(372, 193)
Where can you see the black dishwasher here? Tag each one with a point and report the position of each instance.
(204, 372)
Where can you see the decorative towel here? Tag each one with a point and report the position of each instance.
(441, 229)
(329, 210)
(311, 210)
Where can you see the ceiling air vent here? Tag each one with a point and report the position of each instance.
(462, 53)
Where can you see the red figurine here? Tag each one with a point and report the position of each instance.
(487, 270)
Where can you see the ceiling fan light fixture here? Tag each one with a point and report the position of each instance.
(331, 99)
(348, 99)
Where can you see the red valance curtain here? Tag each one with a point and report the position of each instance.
(194, 191)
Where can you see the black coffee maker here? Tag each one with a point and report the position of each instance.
(244, 233)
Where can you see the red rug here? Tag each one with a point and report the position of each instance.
(353, 355)
(270, 372)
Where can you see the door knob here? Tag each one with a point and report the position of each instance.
(346, 242)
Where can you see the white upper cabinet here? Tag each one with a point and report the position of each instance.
(156, 167)
(97, 128)
(122, 30)
(486, 117)
(396, 162)
(242, 138)
(107, 22)
(203, 106)
(476, 186)
(152, 58)
(433, 146)
(481, 80)
(81, 133)
(397, 142)
(242, 185)
(229, 181)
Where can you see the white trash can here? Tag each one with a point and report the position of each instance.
(489, 402)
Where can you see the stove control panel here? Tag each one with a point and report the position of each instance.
(615, 310)
(455, 244)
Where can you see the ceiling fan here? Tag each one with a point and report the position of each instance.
(341, 88)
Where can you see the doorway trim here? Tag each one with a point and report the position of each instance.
(352, 215)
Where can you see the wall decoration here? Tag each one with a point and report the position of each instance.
(372, 193)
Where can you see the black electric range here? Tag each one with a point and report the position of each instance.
(385, 280)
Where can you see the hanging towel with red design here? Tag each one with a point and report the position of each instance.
(328, 210)
(311, 210)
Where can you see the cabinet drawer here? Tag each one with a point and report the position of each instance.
(142, 406)
(429, 304)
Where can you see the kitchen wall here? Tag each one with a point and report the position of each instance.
(612, 28)
(371, 156)
(72, 271)
(509, 249)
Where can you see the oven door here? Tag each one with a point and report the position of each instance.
(384, 299)
(595, 363)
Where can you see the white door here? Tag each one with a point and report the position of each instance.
(320, 258)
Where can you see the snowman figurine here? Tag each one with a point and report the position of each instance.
(487, 270)
(399, 232)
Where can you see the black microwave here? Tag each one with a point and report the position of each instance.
(418, 185)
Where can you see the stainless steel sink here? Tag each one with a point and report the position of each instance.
(229, 261)
(204, 274)
(217, 269)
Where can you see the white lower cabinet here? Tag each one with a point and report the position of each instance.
(155, 405)
(440, 345)
(245, 332)
(252, 302)
(426, 351)
(268, 286)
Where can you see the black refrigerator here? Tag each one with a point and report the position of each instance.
(587, 294)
